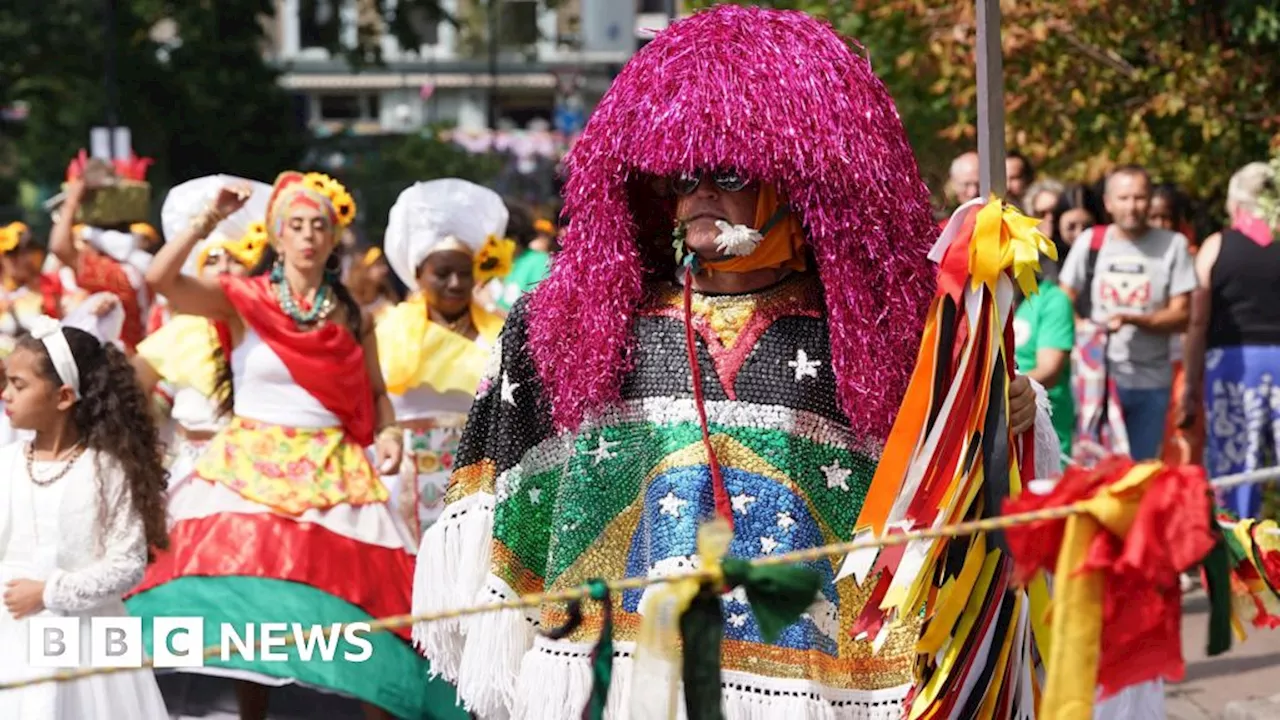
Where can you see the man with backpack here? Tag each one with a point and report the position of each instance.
(1134, 283)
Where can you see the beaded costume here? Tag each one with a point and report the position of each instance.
(584, 455)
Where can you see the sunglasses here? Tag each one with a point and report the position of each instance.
(727, 180)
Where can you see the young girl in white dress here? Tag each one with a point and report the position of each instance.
(80, 505)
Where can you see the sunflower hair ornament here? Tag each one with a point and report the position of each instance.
(344, 206)
(249, 248)
(317, 187)
(494, 259)
(11, 236)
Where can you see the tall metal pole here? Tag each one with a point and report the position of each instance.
(494, 26)
(109, 75)
(991, 149)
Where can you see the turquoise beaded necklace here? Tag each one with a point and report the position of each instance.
(319, 310)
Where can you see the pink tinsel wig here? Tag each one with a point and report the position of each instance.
(780, 96)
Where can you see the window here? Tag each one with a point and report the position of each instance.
(419, 19)
(340, 107)
(650, 7)
(318, 23)
(519, 22)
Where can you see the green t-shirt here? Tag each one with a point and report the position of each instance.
(1041, 322)
(531, 268)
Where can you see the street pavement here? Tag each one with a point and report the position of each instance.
(1243, 684)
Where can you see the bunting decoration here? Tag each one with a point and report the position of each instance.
(951, 457)
(1117, 599)
(1253, 551)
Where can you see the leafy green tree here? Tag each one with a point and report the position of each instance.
(1185, 87)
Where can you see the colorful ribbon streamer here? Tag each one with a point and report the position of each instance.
(951, 457)
(1116, 566)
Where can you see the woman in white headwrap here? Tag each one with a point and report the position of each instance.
(444, 238)
(179, 361)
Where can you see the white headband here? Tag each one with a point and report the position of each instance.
(49, 331)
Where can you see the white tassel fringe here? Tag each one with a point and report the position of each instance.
(453, 562)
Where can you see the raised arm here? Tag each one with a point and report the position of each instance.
(61, 242)
(195, 295)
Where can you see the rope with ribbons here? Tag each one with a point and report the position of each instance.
(778, 590)
(993, 241)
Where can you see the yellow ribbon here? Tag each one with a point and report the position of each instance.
(1072, 662)
(658, 650)
(1005, 239)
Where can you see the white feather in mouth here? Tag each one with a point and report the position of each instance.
(736, 240)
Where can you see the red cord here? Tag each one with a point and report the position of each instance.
(723, 507)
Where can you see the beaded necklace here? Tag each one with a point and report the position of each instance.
(70, 462)
(319, 310)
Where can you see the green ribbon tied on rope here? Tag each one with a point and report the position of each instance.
(778, 596)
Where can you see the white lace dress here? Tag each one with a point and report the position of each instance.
(53, 533)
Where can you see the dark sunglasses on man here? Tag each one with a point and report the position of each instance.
(727, 180)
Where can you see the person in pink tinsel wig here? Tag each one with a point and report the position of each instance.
(727, 333)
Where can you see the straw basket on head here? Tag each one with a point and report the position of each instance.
(118, 191)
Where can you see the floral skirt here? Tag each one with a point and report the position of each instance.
(1242, 423)
(424, 474)
(291, 470)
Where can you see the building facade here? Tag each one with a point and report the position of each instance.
(505, 64)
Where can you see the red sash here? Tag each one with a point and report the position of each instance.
(51, 295)
(327, 361)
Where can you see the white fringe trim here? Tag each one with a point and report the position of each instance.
(555, 683)
(495, 645)
(453, 562)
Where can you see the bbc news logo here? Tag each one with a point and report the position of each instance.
(179, 642)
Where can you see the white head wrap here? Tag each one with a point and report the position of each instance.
(49, 331)
(119, 245)
(184, 202)
(429, 213)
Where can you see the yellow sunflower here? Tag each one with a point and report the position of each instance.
(345, 208)
(8, 239)
(494, 259)
(318, 182)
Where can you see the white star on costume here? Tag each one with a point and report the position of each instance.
(768, 544)
(671, 505)
(509, 390)
(738, 619)
(837, 477)
(803, 366)
(785, 521)
(741, 501)
(535, 493)
(604, 450)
